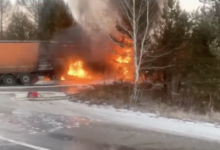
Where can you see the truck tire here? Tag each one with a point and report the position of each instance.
(25, 79)
(9, 80)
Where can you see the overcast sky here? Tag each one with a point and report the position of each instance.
(186, 4)
(190, 4)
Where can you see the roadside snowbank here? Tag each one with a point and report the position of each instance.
(43, 86)
(42, 82)
(110, 115)
(206, 131)
(42, 96)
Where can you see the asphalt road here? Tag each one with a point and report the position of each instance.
(23, 129)
(69, 89)
(28, 130)
(4, 145)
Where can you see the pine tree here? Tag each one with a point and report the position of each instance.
(20, 28)
(55, 15)
(204, 73)
(171, 46)
(49, 16)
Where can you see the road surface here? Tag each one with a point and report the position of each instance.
(41, 126)
(69, 89)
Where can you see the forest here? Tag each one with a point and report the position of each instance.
(181, 57)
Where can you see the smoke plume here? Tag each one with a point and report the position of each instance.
(95, 14)
(95, 20)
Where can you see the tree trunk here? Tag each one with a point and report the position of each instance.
(1, 26)
(136, 68)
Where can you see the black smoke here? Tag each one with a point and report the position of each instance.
(75, 44)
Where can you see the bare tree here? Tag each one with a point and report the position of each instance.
(5, 12)
(48, 16)
(139, 17)
(20, 27)
(32, 8)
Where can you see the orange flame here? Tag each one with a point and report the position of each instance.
(47, 79)
(76, 69)
(123, 64)
(124, 59)
(62, 78)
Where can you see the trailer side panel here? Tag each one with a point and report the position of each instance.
(18, 57)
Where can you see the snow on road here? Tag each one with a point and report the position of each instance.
(110, 115)
(206, 131)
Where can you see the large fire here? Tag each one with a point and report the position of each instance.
(76, 69)
(121, 61)
(124, 64)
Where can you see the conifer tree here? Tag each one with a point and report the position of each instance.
(203, 76)
(171, 46)
(20, 28)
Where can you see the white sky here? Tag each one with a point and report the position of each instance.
(190, 5)
(186, 4)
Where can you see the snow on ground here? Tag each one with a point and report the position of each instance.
(153, 122)
(112, 116)
(42, 82)
(45, 82)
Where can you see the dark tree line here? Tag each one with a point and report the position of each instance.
(183, 53)
(37, 19)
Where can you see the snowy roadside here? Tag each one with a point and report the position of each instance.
(153, 122)
(112, 116)
(42, 82)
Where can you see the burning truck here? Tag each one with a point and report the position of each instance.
(71, 55)
(23, 61)
(92, 57)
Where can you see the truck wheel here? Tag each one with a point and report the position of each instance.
(9, 80)
(25, 79)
